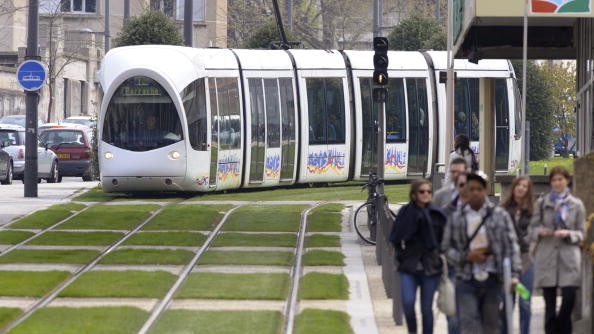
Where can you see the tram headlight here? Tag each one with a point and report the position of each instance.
(108, 155)
(174, 155)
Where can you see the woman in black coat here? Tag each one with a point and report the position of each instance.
(416, 237)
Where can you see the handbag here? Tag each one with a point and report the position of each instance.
(446, 292)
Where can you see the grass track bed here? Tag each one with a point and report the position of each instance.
(323, 286)
(325, 218)
(323, 258)
(48, 217)
(87, 320)
(235, 286)
(129, 283)
(7, 314)
(110, 217)
(13, 237)
(265, 218)
(322, 240)
(322, 321)
(148, 256)
(29, 283)
(218, 322)
(49, 256)
(195, 217)
(255, 240)
(76, 238)
(166, 239)
(247, 258)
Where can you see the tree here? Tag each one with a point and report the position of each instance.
(539, 109)
(417, 33)
(153, 27)
(264, 35)
(562, 79)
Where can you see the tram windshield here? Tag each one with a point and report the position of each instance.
(141, 117)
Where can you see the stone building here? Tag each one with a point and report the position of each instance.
(72, 38)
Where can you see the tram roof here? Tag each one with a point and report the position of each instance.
(264, 59)
(398, 60)
(440, 61)
(318, 59)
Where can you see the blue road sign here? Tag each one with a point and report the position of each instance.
(31, 75)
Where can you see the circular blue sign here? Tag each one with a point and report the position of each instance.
(31, 75)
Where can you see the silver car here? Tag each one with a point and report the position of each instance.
(5, 166)
(13, 137)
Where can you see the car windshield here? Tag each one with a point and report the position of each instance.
(83, 121)
(56, 137)
(10, 136)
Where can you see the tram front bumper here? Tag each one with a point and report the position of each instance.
(141, 183)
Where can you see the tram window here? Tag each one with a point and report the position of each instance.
(326, 110)
(214, 112)
(395, 112)
(141, 117)
(288, 127)
(228, 112)
(368, 113)
(501, 106)
(272, 113)
(466, 106)
(517, 111)
(194, 99)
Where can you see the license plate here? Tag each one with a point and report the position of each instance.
(63, 155)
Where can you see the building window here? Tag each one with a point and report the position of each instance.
(68, 6)
(197, 8)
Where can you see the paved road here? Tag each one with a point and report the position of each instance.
(13, 203)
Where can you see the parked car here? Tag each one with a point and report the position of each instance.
(5, 166)
(72, 145)
(47, 162)
(18, 120)
(83, 120)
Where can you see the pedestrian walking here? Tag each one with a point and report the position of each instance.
(557, 226)
(416, 237)
(519, 204)
(477, 238)
(462, 150)
(448, 192)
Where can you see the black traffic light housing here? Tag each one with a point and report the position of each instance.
(380, 61)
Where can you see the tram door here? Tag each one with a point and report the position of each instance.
(214, 133)
(258, 125)
(501, 125)
(369, 119)
(418, 126)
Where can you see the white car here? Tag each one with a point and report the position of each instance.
(13, 137)
(84, 120)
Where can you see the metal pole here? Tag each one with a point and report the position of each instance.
(449, 119)
(31, 101)
(126, 11)
(376, 18)
(188, 11)
(290, 15)
(438, 10)
(107, 30)
(527, 148)
(524, 158)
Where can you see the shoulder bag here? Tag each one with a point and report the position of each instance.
(446, 292)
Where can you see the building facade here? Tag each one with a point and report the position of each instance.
(72, 39)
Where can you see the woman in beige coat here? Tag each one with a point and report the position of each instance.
(557, 227)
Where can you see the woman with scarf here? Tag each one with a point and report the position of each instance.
(557, 226)
(416, 237)
(519, 203)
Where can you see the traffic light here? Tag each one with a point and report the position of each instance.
(380, 61)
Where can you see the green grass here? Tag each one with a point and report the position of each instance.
(326, 218)
(265, 218)
(45, 218)
(235, 286)
(110, 217)
(347, 191)
(78, 256)
(125, 284)
(188, 217)
(13, 237)
(256, 240)
(322, 321)
(323, 258)
(7, 314)
(322, 240)
(218, 322)
(88, 320)
(76, 238)
(247, 258)
(537, 167)
(323, 286)
(166, 239)
(148, 256)
(29, 283)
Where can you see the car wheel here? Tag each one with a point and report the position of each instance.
(9, 175)
(53, 178)
(60, 179)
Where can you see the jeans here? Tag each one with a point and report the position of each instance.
(478, 306)
(558, 323)
(527, 279)
(453, 320)
(408, 290)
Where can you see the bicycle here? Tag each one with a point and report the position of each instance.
(364, 219)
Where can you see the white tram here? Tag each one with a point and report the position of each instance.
(186, 119)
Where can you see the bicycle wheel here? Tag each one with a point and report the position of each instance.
(364, 222)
